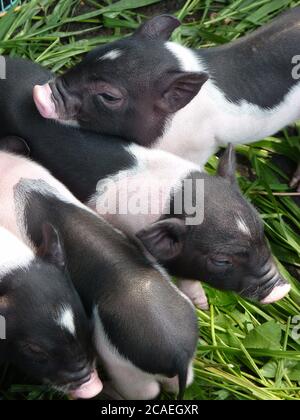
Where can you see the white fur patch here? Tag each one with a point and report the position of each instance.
(154, 176)
(111, 55)
(33, 177)
(188, 60)
(66, 320)
(128, 380)
(14, 254)
(210, 120)
(242, 226)
(15, 168)
(47, 185)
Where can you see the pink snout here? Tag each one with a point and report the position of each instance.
(42, 96)
(279, 292)
(90, 389)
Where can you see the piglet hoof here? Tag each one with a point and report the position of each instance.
(295, 182)
(195, 292)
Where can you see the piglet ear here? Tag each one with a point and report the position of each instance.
(164, 239)
(179, 88)
(160, 27)
(227, 164)
(51, 249)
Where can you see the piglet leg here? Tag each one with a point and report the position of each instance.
(295, 182)
(195, 292)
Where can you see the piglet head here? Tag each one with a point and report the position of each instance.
(128, 88)
(228, 249)
(48, 335)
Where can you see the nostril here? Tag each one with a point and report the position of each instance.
(84, 372)
(78, 377)
(81, 365)
(269, 274)
(88, 388)
(82, 381)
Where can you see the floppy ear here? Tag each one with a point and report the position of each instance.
(227, 164)
(14, 144)
(160, 27)
(51, 249)
(179, 88)
(164, 239)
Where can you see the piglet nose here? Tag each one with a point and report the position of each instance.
(89, 389)
(278, 293)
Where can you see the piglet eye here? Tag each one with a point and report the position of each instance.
(33, 348)
(221, 262)
(35, 351)
(106, 97)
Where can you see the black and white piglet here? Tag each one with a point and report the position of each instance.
(80, 159)
(46, 332)
(153, 92)
(198, 226)
(227, 248)
(145, 329)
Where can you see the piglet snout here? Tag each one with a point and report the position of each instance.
(42, 96)
(89, 389)
(279, 292)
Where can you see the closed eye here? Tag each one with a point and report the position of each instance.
(36, 352)
(222, 263)
(109, 98)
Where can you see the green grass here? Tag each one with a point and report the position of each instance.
(246, 351)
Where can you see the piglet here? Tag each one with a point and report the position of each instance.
(44, 328)
(197, 226)
(145, 330)
(186, 101)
